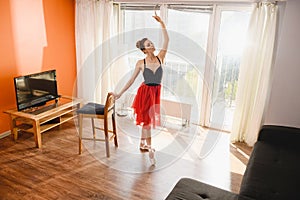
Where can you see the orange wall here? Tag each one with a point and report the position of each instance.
(36, 35)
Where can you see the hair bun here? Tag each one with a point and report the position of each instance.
(138, 44)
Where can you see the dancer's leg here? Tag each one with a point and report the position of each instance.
(143, 142)
(145, 138)
(148, 136)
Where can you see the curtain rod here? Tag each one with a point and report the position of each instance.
(267, 2)
(194, 2)
(270, 1)
(132, 6)
(184, 1)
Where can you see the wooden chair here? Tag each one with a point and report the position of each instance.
(102, 112)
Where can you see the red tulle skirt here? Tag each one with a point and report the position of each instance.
(146, 105)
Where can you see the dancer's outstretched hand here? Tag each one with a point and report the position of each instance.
(117, 96)
(157, 18)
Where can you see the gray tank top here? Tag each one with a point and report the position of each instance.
(150, 77)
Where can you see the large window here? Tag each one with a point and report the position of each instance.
(182, 77)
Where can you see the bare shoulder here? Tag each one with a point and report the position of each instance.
(140, 64)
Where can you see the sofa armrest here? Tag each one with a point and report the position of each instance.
(281, 135)
(191, 189)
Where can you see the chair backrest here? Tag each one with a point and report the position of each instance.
(109, 104)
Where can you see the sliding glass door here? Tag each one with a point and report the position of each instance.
(230, 36)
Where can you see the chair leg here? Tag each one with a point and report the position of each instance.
(115, 130)
(106, 137)
(80, 133)
(94, 129)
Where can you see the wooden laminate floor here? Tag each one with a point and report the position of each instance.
(56, 171)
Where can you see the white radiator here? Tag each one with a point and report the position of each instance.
(168, 107)
(176, 109)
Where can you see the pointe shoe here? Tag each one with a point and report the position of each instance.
(145, 148)
(152, 156)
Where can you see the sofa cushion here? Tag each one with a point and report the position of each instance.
(191, 189)
(272, 171)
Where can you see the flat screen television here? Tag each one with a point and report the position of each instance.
(34, 90)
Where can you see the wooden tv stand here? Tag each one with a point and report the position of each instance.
(40, 119)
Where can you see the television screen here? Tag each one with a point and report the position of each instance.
(35, 89)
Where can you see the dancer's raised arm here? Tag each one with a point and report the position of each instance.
(164, 49)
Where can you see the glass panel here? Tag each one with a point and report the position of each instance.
(184, 79)
(233, 29)
(137, 25)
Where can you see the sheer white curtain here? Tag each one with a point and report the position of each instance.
(255, 72)
(94, 26)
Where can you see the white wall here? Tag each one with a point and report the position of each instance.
(284, 102)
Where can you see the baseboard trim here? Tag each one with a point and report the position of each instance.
(4, 134)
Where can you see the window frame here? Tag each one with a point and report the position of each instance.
(212, 42)
(212, 52)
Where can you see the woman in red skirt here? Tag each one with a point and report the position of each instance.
(146, 104)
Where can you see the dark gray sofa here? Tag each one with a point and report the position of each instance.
(272, 173)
